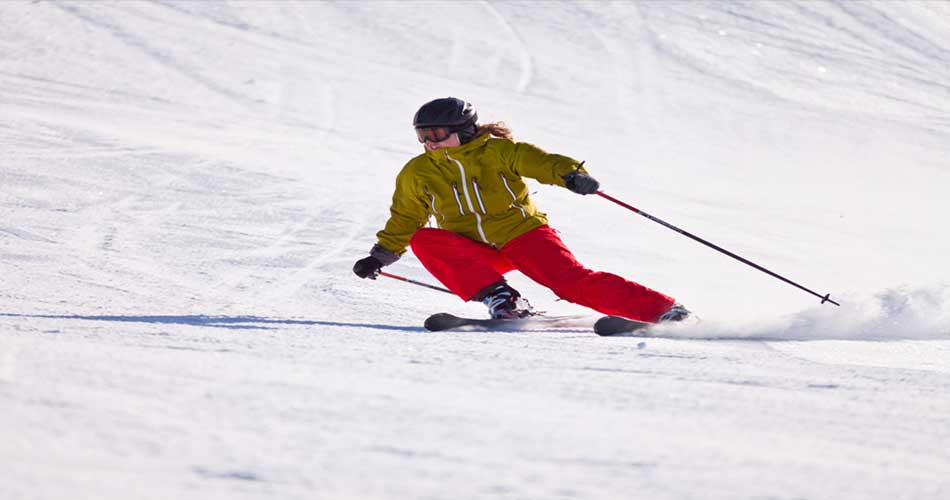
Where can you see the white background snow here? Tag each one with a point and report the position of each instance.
(184, 187)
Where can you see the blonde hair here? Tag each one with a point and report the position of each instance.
(497, 129)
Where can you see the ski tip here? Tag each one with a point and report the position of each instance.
(438, 322)
(617, 325)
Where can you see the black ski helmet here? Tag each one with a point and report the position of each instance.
(450, 112)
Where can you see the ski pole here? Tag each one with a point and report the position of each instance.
(824, 298)
(414, 282)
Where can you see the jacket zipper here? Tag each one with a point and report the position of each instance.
(478, 196)
(468, 199)
(514, 199)
(438, 215)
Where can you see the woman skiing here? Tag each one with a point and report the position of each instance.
(470, 180)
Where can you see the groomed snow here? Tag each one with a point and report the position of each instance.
(184, 187)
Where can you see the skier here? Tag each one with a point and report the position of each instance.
(470, 179)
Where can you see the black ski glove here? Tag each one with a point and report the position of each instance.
(367, 267)
(581, 183)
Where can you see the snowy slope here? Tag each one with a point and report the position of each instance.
(184, 187)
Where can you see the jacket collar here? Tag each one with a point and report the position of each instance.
(459, 150)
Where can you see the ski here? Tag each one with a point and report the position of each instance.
(444, 321)
(605, 326)
(616, 325)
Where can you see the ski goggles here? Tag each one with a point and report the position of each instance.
(433, 134)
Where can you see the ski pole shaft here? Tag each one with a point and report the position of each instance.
(414, 282)
(824, 298)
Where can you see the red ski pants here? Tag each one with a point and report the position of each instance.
(466, 266)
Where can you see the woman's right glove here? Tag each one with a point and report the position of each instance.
(581, 183)
(367, 267)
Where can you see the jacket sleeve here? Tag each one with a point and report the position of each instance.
(531, 161)
(407, 214)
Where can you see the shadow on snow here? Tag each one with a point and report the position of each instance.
(228, 322)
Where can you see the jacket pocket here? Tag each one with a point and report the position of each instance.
(458, 199)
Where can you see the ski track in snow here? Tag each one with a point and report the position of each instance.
(185, 186)
(525, 56)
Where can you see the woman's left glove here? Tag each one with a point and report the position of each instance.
(581, 183)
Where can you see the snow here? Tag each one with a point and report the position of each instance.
(185, 186)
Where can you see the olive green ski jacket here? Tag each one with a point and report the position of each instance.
(475, 190)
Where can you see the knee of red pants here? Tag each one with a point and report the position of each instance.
(463, 265)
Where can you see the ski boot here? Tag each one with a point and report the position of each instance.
(505, 302)
(675, 313)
